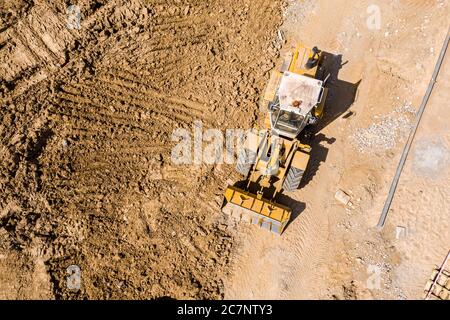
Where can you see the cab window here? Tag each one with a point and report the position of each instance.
(286, 121)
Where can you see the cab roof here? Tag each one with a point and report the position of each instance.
(296, 89)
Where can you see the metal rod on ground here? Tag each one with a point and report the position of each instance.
(437, 276)
(407, 148)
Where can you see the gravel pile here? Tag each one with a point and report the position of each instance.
(384, 134)
(297, 11)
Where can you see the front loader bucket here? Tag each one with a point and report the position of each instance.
(248, 207)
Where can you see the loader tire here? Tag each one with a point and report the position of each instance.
(245, 161)
(293, 179)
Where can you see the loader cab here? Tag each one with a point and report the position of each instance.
(287, 123)
(295, 104)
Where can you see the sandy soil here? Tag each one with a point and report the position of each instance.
(421, 203)
(87, 115)
(86, 176)
(333, 252)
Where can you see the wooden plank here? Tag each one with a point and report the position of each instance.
(438, 275)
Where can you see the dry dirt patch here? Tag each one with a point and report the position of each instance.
(86, 123)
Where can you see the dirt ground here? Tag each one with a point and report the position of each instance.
(334, 252)
(421, 204)
(86, 121)
(86, 176)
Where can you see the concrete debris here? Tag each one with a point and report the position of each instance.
(342, 197)
(400, 232)
(384, 134)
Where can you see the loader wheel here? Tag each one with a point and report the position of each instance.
(293, 179)
(245, 161)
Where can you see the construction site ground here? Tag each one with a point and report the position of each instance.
(87, 178)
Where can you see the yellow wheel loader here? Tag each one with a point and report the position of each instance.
(274, 159)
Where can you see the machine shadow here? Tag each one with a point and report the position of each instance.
(341, 94)
(319, 154)
(297, 207)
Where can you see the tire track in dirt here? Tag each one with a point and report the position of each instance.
(92, 141)
(290, 264)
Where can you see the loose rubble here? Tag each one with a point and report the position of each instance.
(384, 134)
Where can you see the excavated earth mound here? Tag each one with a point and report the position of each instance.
(86, 120)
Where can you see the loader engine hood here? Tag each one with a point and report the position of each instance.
(297, 96)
